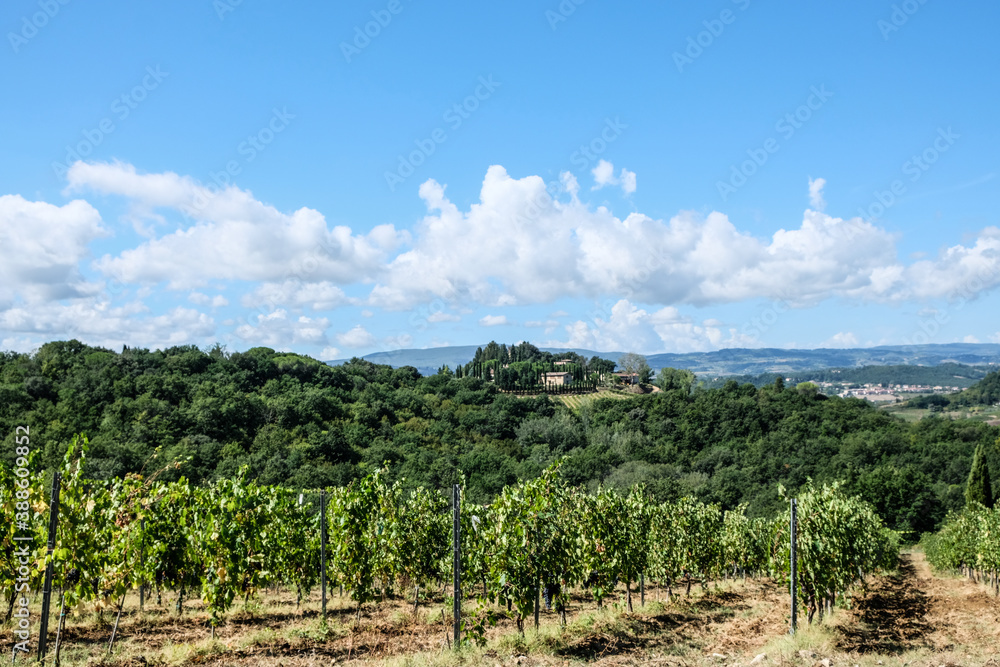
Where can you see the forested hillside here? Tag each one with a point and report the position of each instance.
(983, 393)
(298, 422)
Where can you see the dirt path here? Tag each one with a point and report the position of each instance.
(917, 611)
(892, 616)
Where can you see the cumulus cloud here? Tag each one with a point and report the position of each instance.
(402, 341)
(569, 183)
(356, 337)
(604, 174)
(624, 326)
(841, 339)
(443, 317)
(627, 179)
(231, 235)
(519, 245)
(280, 329)
(297, 294)
(957, 273)
(816, 194)
(41, 248)
(98, 322)
(493, 320)
(200, 299)
(523, 242)
(536, 249)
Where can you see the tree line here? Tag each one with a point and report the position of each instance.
(295, 422)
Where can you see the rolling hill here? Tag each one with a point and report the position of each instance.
(735, 361)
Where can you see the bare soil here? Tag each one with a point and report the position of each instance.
(911, 617)
(917, 611)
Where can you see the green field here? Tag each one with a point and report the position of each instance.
(985, 414)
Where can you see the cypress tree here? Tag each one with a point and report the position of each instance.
(979, 488)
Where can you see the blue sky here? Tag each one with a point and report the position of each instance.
(337, 179)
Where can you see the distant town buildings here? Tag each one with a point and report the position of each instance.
(877, 393)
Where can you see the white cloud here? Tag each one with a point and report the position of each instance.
(569, 183)
(970, 339)
(329, 354)
(816, 194)
(958, 273)
(604, 174)
(200, 299)
(96, 322)
(493, 320)
(443, 317)
(842, 339)
(568, 249)
(279, 329)
(356, 337)
(559, 313)
(548, 325)
(400, 342)
(516, 245)
(231, 235)
(41, 247)
(294, 293)
(20, 345)
(623, 326)
(627, 179)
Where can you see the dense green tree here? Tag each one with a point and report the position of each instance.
(979, 488)
(295, 421)
(675, 379)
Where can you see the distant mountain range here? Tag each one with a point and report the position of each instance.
(735, 361)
